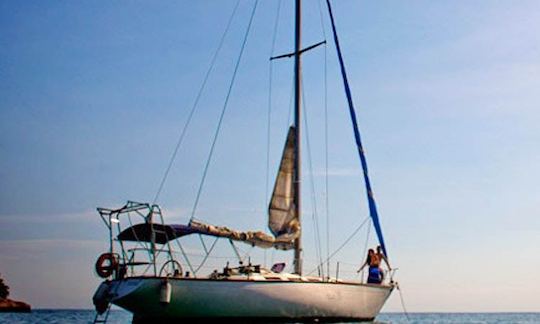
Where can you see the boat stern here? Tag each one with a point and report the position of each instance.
(110, 291)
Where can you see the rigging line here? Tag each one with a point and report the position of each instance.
(326, 182)
(203, 244)
(235, 249)
(366, 244)
(403, 303)
(143, 246)
(367, 238)
(269, 116)
(147, 247)
(166, 235)
(224, 109)
(207, 255)
(195, 103)
(321, 16)
(345, 242)
(312, 182)
(124, 253)
(185, 257)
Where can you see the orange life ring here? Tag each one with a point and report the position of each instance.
(106, 264)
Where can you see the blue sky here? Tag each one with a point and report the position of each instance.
(93, 97)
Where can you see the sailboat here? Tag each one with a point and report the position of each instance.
(143, 275)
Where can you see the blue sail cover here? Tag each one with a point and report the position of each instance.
(371, 201)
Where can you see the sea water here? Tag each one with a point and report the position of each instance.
(119, 316)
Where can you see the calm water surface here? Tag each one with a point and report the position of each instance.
(118, 316)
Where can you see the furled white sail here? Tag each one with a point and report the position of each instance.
(282, 218)
(255, 238)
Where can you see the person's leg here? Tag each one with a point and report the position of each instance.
(373, 275)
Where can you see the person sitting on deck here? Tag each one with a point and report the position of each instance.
(374, 273)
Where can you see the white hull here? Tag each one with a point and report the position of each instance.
(250, 299)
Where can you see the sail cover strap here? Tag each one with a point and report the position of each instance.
(371, 201)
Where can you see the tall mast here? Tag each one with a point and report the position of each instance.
(297, 123)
